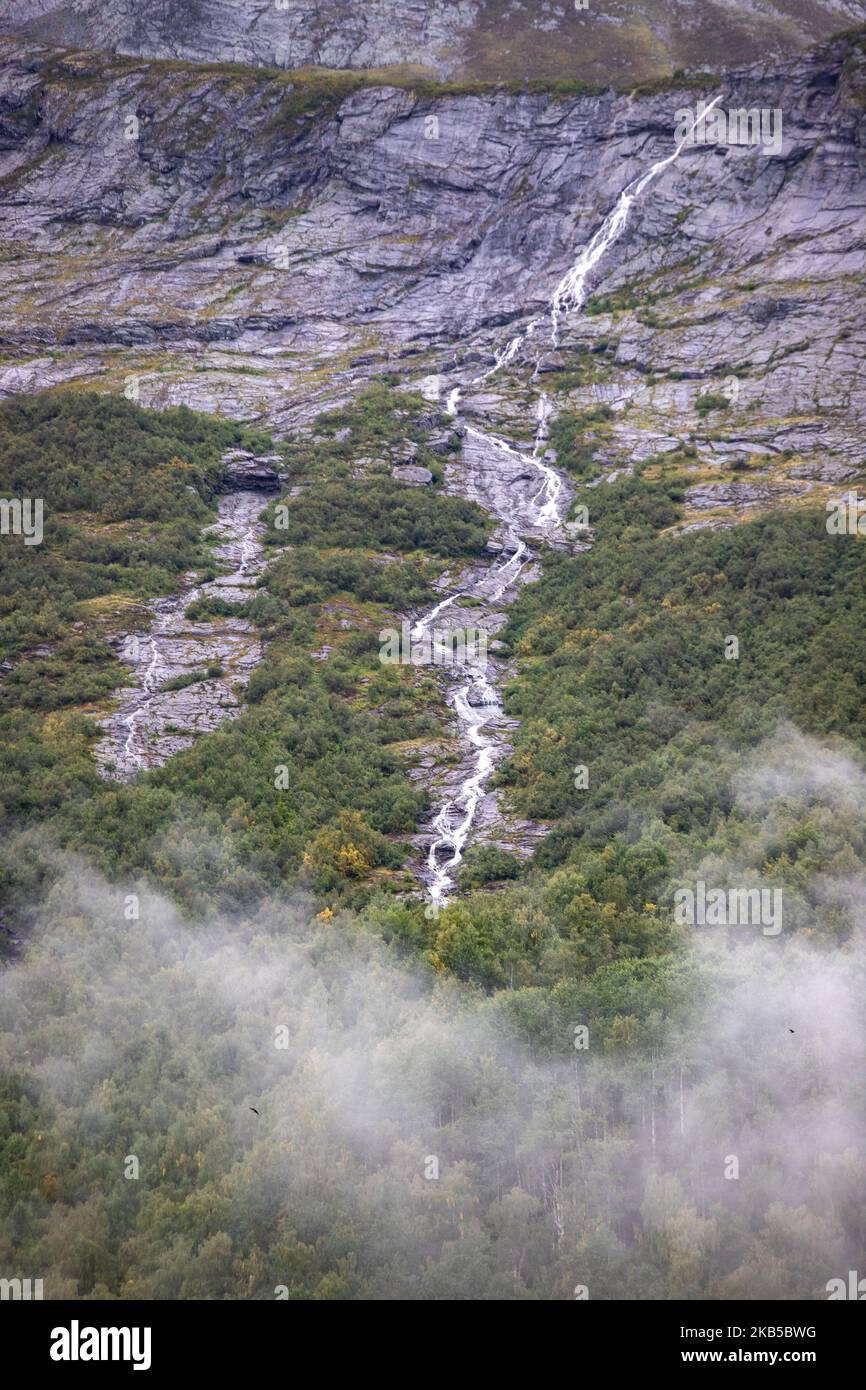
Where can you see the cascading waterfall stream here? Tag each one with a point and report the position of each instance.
(569, 295)
(137, 736)
(453, 823)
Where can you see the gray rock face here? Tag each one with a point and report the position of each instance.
(746, 496)
(193, 236)
(274, 33)
(491, 38)
(251, 472)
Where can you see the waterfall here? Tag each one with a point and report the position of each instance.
(453, 823)
(568, 297)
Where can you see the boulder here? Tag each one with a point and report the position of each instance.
(413, 474)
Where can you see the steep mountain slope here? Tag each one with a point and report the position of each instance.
(463, 315)
(242, 242)
(263, 246)
(488, 38)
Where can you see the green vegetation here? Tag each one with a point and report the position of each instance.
(484, 864)
(618, 301)
(194, 678)
(106, 456)
(277, 844)
(624, 671)
(329, 725)
(586, 367)
(677, 81)
(125, 493)
(575, 439)
(709, 401)
(374, 427)
(384, 515)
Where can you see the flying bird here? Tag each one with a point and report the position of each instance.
(254, 1110)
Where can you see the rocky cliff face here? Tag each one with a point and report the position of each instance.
(489, 38)
(258, 245)
(276, 33)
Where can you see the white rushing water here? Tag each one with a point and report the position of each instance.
(569, 295)
(475, 698)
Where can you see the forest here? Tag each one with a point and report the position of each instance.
(541, 1088)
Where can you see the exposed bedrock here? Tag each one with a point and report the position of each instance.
(189, 235)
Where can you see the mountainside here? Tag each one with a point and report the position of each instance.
(432, 688)
(483, 38)
(259, 245)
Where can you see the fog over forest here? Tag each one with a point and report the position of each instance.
(554, 1167)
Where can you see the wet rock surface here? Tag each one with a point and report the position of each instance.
(150, 724)
(252, 472)
(529, 499)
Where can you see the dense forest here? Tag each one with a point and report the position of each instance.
(329, 1092)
